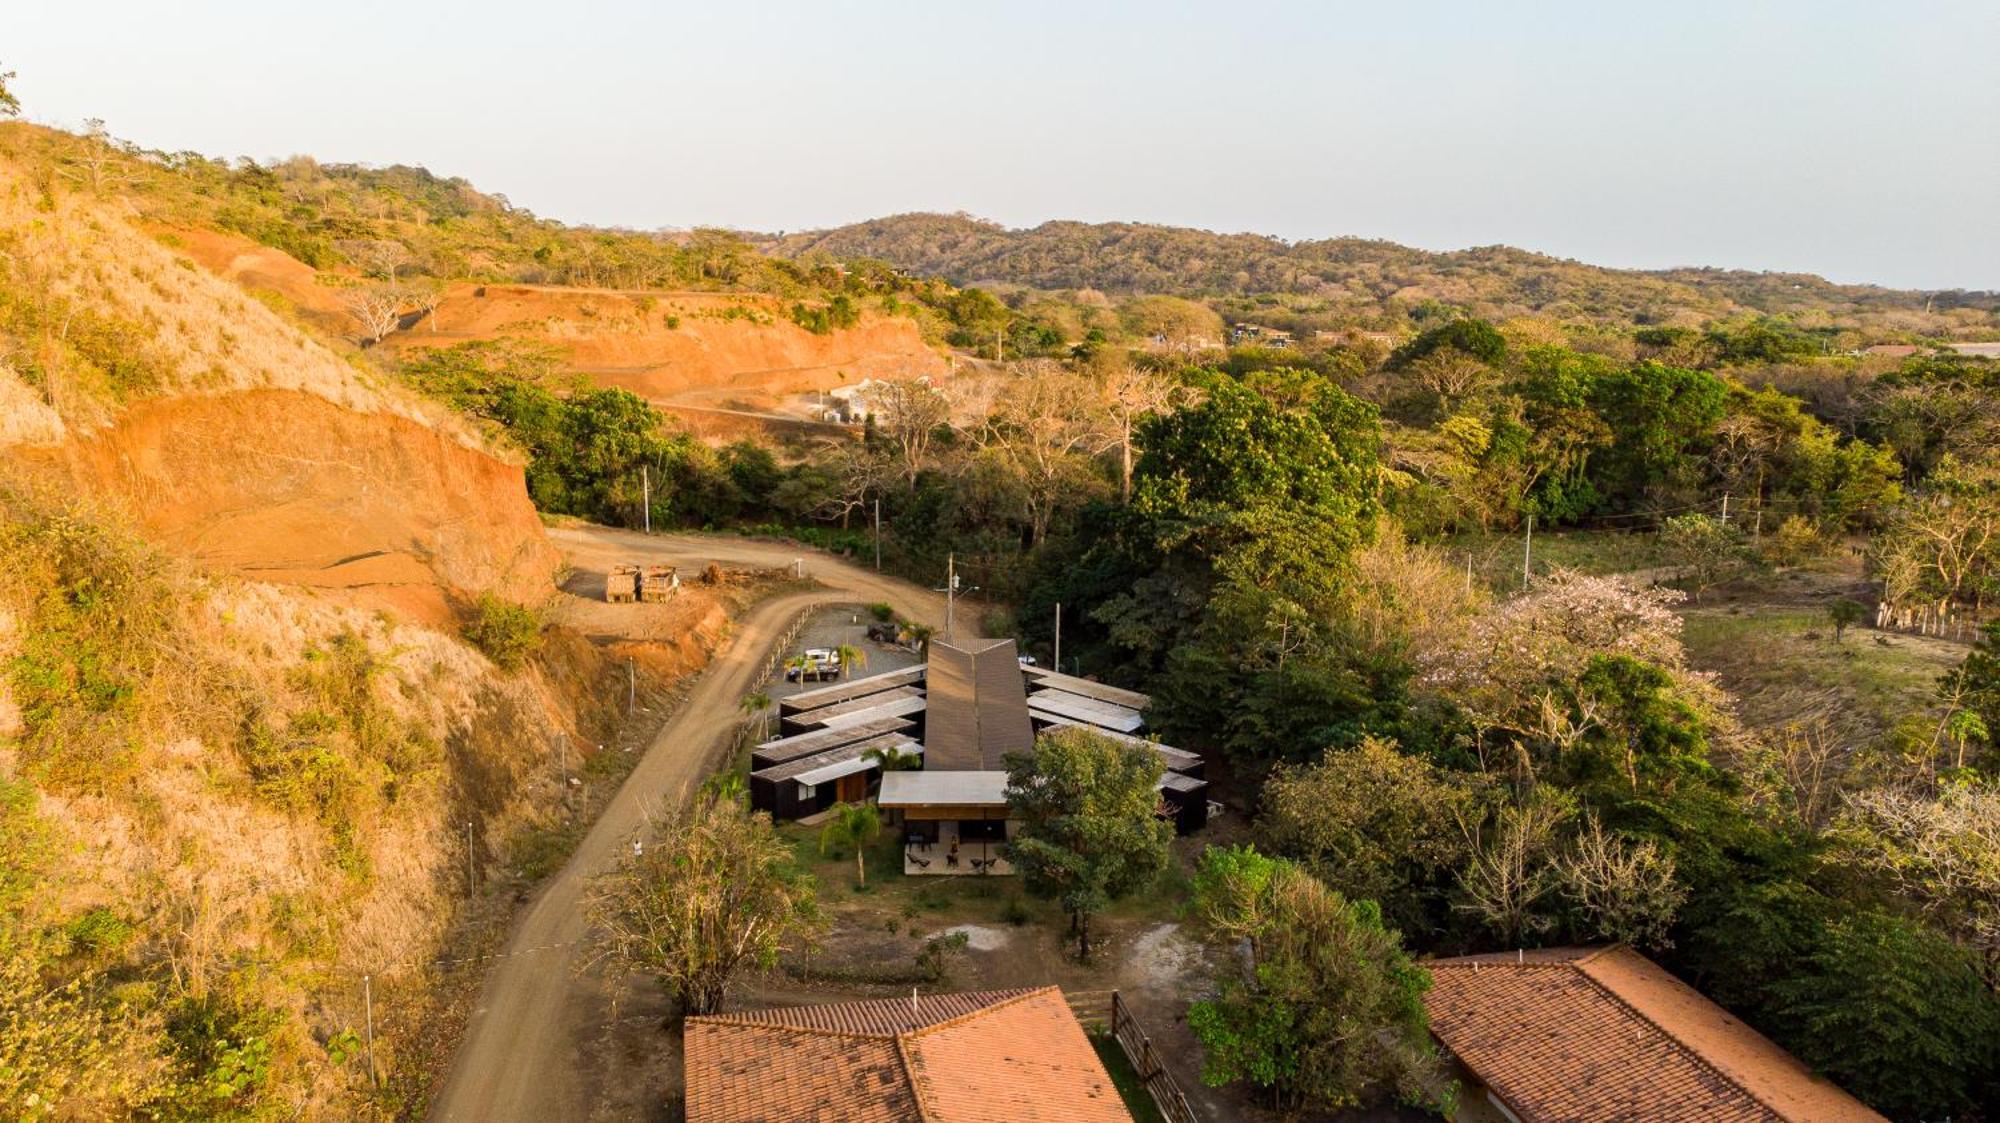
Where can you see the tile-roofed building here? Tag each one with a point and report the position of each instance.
(1580, 1035)
(981, 1057)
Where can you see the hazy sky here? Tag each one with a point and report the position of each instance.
(1857, 140)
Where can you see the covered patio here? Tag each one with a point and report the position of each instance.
(951, 823)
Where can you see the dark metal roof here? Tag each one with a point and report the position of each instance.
(977, 705)
(783, 749)
(799, 766)
(850, 689)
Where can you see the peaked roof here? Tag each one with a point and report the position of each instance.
(1566, 1035)
(978, 1057)
(977, 709)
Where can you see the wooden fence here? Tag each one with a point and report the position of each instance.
(1139, 1050)
(774, 662)
(1946, 621)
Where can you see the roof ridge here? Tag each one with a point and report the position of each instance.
(919, 1087)
(958, 1019)
(788, 1027)
(1006, 996)
(1692, 1054)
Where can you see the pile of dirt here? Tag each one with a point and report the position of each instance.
(679, 346)
(286, 487)
(235, 438)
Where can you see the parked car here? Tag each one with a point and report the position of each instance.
(816, 664)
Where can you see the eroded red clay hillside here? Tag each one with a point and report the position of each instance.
(239, 440)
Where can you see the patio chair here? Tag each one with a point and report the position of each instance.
(920, 863)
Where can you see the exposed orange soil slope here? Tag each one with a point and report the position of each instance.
(288, 487)
(710, 352)
(261, 269)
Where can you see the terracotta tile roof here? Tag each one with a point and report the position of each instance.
(1582, 1035)
(980, 1057)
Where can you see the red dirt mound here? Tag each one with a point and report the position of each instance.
(288, 487)
(672, 346)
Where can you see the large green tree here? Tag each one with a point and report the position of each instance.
(1090, 832)
(717, 892)
(1317, 1003)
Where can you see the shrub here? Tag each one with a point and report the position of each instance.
(1796, 540)
(882, 612)
(508, 633)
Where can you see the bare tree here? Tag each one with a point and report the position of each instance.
(1626, 889)
(909, 412)
(94, 159)
(852, 473)
(1044, 427)
(1452, 375)
(1511, 871)
(377, 310)
(1129, 394)
(428, 297)
(377, 257)
(1810, 757)
(1943, 853)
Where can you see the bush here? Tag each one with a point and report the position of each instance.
(508, 633)
(882, 612)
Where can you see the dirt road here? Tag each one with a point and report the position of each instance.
(518, 1061)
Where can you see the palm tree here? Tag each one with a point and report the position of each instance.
(851, 824)
(850, 657)
(757, 704)
(890, 758)
(922, 634)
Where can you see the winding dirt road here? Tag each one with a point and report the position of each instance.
(517, 1061)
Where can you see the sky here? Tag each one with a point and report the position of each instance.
(1860, 141)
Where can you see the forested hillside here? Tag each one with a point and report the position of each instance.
(1350, 281)
(224, 799)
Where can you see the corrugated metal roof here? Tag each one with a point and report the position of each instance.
(943, 788)
(782, 749)
(1054, 680)
(820, 715)
(799, 768)
(977, 706)
(852, 688)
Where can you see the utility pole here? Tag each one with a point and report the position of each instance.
(646, 490)
(1058, 658)
(950, 590)
(1528, 551)
(368, 1002)
(1468, 571)
(1725, 510)
(631, 687)
(878, 534)
(469, 876)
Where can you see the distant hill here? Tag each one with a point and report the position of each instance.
(1364, 277)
